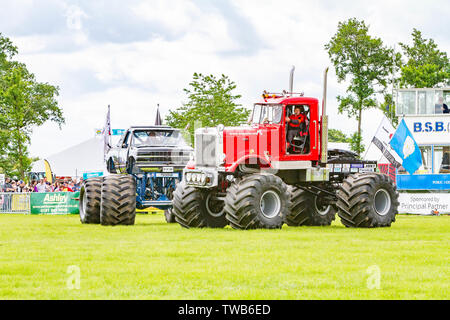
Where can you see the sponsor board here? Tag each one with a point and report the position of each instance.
(430, 129)
(88, 175)
(353, 167)
(54, 203)
(424, 203)
(423, 182)
(166, 175)
(114, 132)
(19, 202)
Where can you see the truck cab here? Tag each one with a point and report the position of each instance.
(149, 149)
(261, 144)
(269, 116)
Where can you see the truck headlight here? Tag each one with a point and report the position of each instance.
(203, 178)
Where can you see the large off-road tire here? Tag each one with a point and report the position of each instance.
(367, 200)
(307, 210)
(195, 208)
(131, 166)
(169, 215)
(118, 204)
(110, 166)
(90, 197)
(257, 201)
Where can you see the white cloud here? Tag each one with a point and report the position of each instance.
(75, 17)
(178, 16)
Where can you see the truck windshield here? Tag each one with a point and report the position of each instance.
(165, 138)
(267, 113)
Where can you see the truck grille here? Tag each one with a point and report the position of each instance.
(162, 158)
(205, 150)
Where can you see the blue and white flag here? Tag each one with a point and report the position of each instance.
(405, 146)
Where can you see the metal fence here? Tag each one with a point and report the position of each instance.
(15, 202)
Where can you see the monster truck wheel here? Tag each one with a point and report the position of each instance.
(192, 208)
(110, 166)
(307, 210)
(90, 197)
(169, 215)
(367, 200)
(131, 168)
(118, 204)
(257, 201)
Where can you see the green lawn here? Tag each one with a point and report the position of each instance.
(155, 260)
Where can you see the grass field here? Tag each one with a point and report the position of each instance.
(155, 260)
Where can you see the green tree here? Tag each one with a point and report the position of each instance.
(24, 104)
(425, 66)
(211, 102)
(388, 109)
(335, 135)
(365, 63)
(356, 143)
(7, 51)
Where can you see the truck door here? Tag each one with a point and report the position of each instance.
(123, 152)
(308, 138)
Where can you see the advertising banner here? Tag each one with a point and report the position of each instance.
(88, 175)
(423, 182)
(430, 129)
(19, 202)
(424, 203)
(54, 203)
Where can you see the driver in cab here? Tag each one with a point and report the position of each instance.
(294, 122)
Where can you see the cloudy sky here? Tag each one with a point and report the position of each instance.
(134, 54)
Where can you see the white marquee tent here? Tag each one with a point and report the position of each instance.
(73, 162)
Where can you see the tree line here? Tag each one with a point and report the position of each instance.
(372, 69)
(24, 104)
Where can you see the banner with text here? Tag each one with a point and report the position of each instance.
(54, 203)
(424, 203)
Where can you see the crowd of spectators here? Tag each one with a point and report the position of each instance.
(41, 185)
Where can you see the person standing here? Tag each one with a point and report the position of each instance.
(41, 186)
(21, 186)
(441, 107)
(65, 188)
(7, 187)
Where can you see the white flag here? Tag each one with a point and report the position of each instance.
(382, 138)
(107, 134)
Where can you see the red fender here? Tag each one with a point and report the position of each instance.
(244, 159)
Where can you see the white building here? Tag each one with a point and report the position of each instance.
(429, 187)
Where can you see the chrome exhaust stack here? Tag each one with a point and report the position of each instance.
(291, 81)
(324, 122)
